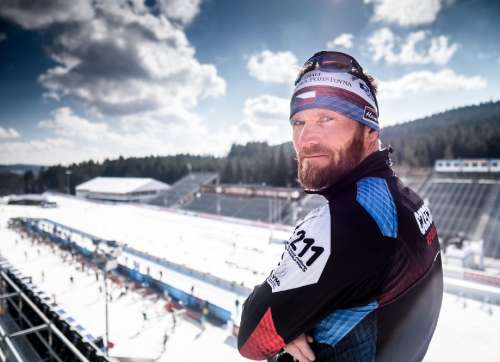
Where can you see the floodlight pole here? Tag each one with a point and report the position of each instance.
(68, 174)
(106, 346)
(109, 265)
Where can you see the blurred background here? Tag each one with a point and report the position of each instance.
(148, 181)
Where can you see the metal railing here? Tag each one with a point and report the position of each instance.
(42, 333)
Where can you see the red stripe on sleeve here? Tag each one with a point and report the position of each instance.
(264, 342)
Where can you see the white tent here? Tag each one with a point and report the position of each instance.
(126, 189)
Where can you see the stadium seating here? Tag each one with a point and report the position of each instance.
(252, 208)
(491, 235)
(457, 204)
(183, 189)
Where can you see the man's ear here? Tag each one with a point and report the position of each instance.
(371, 134)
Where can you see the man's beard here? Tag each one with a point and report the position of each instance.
(341, 162)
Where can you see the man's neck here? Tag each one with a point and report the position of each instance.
(374, 147)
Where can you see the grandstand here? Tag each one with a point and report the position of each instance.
(184, 189)
(481, 165)
(463, 196)
(456, 204)
(491, 235)
(255, 208)
(252, 202)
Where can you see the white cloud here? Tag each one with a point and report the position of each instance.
(423, 82)
(280, 67)
(8, 133)
(67, 124)
(129, 64)
(42, 14)
(133, 68)
(182, 10)
(343, 40)
(440, 52)
(265, 118)
(498, 60)
(382, 45)
(121, 57)
(267, 108)
(406, 12)
(126, 61)
(43, 152)
(76, 139)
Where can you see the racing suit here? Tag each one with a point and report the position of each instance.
(361, 274)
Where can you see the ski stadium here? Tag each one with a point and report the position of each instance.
(96, 279)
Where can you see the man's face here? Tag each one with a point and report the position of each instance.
(327, 144)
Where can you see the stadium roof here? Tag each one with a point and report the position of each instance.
(121, 185)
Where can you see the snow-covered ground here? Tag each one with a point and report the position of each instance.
(232, 251)
(467, 330)
(132, 336)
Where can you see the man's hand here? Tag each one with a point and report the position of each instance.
(299, 348)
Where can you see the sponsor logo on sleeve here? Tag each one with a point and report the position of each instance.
(424, 218)
(425, 223)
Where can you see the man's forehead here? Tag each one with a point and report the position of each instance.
(314, 113)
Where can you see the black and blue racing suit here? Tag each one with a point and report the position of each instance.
(361, 274)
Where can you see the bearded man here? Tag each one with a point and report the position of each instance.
(360, 278)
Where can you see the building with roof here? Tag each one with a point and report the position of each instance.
(122, 189)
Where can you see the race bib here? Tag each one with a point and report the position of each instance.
(306, 252)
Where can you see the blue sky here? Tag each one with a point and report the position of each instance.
(91, 79)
